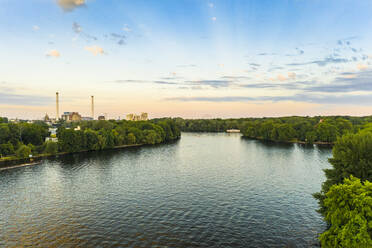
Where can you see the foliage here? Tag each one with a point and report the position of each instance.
(23, 151)
(6, 149)
(51, 147)
(351, 156)
(350, 215)
(284, 129)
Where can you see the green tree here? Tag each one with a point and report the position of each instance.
(352, 156)
(51, 147)
(91, 139)
(23, 151)
(6, 149)
(350, 215)
(131, 138)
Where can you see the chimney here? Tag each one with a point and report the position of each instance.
(92, 106)
(57, 106)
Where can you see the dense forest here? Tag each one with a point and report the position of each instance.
(19, 140)
(285, 129)
(346, 197)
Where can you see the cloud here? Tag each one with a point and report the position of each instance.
(95, 50)
(211, 5)
(53, 53)
(317, 99)
(76, 27)
(35, 27)
(214, 18)
(119, 38)
(211, 83)
(126, 28)
(362, 67)
(189, 65)
(21, 100)
(266, 54)
(324, 62)
(281, 77)
(79, 30)
(346, 82)
(70, 5)
(291, 75)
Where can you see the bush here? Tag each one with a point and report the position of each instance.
(51, 147)
(349, 212)
(23, 151)
(352, 155)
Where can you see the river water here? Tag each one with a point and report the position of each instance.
(205, 190)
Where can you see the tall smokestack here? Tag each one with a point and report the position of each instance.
(92, 106)
(57, 106)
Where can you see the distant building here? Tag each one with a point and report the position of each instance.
(144, 117)
(53, 139)
(134, 117)
(53, 131)
(233, 131)
(86, 118)
(101, 118)
(46, 118)
(71, 116)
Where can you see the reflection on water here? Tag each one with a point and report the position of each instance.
(207, 190)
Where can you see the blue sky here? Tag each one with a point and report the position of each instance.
(186, 58)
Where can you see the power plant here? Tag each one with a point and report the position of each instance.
(72, 116)
(57, 106)
(92, 107)
(75, 116)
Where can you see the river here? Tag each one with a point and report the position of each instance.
(205, 190)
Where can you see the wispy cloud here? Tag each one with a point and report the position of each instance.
(95, 50)
(126, 28)
(70, 5)
(317, 99)
(53, 53)
(362, 66)
(21, 100)
(323, 62)
(79, 31)
(119, 38)
(35, 27)
(214, 18)
(346, 82)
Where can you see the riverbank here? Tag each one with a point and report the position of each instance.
(11, 163)
(291, 141)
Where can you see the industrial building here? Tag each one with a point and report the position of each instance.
(71, 116)
(134, 117)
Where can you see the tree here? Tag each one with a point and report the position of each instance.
(131, 139)
(23, 151)
(6, 149)
(51, 147)
(350, 215)
(352, 156)
(91, 139)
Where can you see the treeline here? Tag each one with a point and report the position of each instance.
(346, 196)
(100, 135)
(19, 140)
(285, 129)
(22, 139)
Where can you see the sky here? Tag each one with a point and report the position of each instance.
(186, 58)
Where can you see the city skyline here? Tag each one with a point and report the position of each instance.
(193, 59)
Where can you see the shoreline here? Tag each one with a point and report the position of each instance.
(8, 164)
(322, 143)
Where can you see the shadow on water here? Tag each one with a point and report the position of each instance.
(104, 155)
(286, 145)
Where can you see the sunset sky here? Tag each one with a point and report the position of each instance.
(191, 58)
